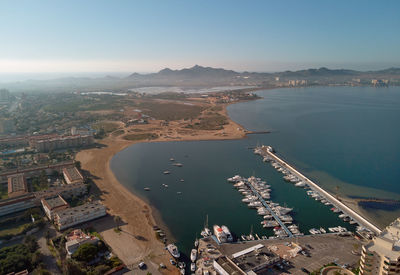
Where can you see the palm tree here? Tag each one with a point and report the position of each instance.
(117, 220)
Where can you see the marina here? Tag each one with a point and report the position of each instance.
(294, 176)
(256, 199)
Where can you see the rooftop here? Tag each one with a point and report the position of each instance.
(54, 202)
(16, 183)
(79, 209)
(255, 258)
(388, 242)
(228, 266)
(72, 173)
(78, 235)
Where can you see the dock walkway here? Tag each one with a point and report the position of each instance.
(344, 208)
(264, 203)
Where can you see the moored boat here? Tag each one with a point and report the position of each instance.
(173, 250)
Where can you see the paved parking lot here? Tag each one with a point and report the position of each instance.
(323, 249)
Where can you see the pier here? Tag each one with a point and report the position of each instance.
(264, 203)
(267, 151)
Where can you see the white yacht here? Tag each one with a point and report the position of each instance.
(219, 233)
(173, 250)
(227, 233)
(193, 255)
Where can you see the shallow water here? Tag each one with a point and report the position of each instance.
(342, 136)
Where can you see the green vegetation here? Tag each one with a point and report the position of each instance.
(18, 257)
(141, 136)
(170, 111)
(16, 225)
(101, 133)
(108, 127)
(213, 121)
(40, 183)
(3, 192)
(86, 252)
(118, 133)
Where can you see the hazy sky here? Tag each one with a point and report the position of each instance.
(144, 36)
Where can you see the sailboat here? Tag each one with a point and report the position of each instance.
(251, 236)
(206, 231)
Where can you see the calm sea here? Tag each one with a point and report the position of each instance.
(345, 138)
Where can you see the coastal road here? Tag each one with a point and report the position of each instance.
(360, 219)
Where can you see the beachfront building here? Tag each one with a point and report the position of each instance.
(66, 191)
(77, 238)
(17, 185)
(382, 254)
(61, 142)
(72, 175)
(53, 204)
(79, 214)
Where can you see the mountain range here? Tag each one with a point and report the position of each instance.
(199, 76)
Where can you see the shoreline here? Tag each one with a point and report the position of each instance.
(138, 241)
(138, 207)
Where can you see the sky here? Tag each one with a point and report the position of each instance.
(146, 36)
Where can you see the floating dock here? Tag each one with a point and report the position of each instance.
(264, 203)
(265, 151)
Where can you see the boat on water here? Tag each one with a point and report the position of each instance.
(177, 164)
(146, 189)
(323, 231)
(193, 255)
(196, 243)
(181, 180)
(182, 271)
(227, 233)
(172, 159)
(206, 232)
(166, 172)
(193, 267)
(243, 237)
(173, 250)
(219, 233)
(235, 178)
(314, 231)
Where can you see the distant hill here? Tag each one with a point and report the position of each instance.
(193, 72)
(318, 72)
(204, 77)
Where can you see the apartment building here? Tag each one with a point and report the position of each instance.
(75, 215)
(382, 254)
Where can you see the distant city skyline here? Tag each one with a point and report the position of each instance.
(146, 36)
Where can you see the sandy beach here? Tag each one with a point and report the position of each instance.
(137, 240)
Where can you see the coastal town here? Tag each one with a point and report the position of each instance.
(59, 193)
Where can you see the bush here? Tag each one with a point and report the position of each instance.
(86, 252)
(19, 257)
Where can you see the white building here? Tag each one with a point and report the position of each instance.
(80, 214)
(382, 254)
(77, 238)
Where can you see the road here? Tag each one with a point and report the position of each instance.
(360, 219)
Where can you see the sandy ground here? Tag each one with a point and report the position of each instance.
(137, 240)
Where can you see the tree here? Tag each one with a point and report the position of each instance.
(117, 220)
(101, 269)
(31, 243)
(78, 164)
(72, 268)
(86, 252)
